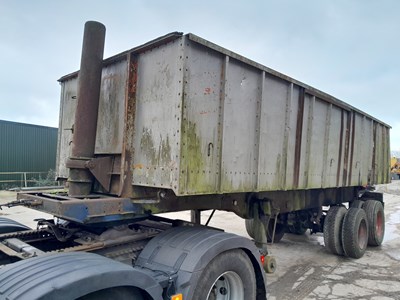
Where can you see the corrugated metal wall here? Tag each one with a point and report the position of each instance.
(27, 148)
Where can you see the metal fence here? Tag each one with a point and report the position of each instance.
(23, 179)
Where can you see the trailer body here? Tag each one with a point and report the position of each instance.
(208, 121)
(181, 123)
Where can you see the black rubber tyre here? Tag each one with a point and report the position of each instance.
(8, 225)
(357, 203)
(296, 229)
(279, 231)
(355, 232)
(229, 273)
(249, 227)
(333, 229)
(376, 222)
(116, 293)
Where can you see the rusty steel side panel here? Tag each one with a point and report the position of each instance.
(201, 131)
(271, 132)
(67, 116)
(205, 120)
(316, 162)
(365, 145)
(111, 111)
(240, 137)
(359, 145)
(110, 123)
(274, 103)
(332, 146)
(157, 129)
(382, 154)
(289, 144)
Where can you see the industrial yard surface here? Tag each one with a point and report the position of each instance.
(306, 270)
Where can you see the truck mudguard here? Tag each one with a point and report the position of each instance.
(184, 252)
(69, 276)
(8, 225)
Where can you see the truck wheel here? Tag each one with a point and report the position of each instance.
(355, 232)
(117, 293)
(7, 225)
(333, 229)
(230, 275)
(376, 222)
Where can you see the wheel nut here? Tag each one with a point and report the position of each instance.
(223, 291)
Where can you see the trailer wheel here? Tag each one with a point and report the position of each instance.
(357, 203)
(279, 231)
(249, 227)
(297, 229)
(333, 229)
(230, 275)
(355, 232)
(376, 222)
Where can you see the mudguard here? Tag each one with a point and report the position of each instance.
(69, 276)
(7, 225)
(186, 251)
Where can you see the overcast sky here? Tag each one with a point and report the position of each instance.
(347, 48)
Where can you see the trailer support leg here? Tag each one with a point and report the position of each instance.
(195, 216)
(260, 227)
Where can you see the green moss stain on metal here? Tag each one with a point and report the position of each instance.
(152, 209)
(165, 152)
(156, 151)
(193, 156)
(147, 146)
(157, 156)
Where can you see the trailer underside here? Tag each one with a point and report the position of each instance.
(99, 208)
(121, 227)
(122, 243)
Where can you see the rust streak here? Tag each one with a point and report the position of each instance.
(299, 133)
(353, 129)
(374, 154)
(340, 147)
(346, 148)
(126, 189)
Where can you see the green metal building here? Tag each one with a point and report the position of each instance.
(26, 152)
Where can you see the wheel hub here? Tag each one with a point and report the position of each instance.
(379, 225)
(362, 235)
(228, 286)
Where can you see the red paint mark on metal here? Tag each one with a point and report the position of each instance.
(207, 91)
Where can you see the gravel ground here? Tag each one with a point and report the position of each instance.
(306, 270)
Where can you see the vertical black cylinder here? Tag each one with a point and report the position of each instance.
(89, 80)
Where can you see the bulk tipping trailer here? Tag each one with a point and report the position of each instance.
(179, 124)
